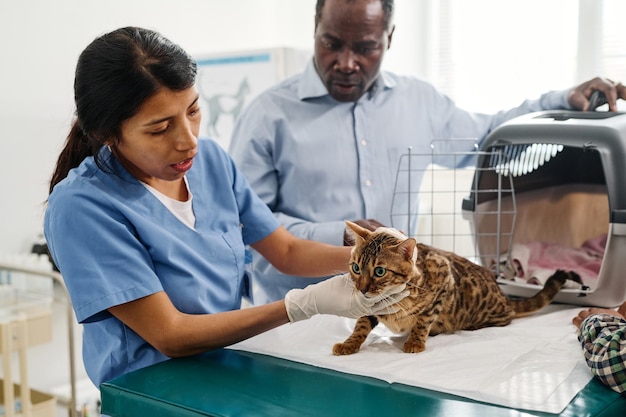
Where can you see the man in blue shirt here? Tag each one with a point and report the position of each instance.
(323, 146)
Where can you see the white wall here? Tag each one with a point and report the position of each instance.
(41, 42)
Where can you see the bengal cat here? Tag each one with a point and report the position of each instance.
(447, 292)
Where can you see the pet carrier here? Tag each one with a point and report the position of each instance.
(568, 208)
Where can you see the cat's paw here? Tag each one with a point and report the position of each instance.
(345, 349)
(413, 347)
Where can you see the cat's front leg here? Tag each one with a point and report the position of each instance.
(352, 344)
(416, 341)
(443, 284)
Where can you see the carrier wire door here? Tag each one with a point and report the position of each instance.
(430, 192)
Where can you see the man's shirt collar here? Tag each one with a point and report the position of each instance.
(312, 86)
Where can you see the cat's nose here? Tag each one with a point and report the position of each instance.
(363, 286)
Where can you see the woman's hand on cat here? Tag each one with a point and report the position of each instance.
(338, 296)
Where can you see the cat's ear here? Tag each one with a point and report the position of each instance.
(358, 232)
(408, 248)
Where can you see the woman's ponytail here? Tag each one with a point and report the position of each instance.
(77, 148)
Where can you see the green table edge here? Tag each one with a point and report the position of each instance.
(252, 384)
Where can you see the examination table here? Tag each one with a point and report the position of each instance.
(239, 383)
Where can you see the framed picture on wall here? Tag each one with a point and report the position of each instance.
(228, 81)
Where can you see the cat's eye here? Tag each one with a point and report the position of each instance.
(379, 271)
(356, 268)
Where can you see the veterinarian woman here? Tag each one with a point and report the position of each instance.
(148, 224)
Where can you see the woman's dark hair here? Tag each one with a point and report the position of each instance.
(115, 75)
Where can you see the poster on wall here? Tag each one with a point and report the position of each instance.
(227, 82)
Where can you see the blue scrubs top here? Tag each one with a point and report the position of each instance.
(115, 242)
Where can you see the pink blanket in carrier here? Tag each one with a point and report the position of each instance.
(534, 262)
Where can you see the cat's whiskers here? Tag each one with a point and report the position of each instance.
(388, 301)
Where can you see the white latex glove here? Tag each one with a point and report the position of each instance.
(338, 296)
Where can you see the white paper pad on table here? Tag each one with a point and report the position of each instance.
(535, 363)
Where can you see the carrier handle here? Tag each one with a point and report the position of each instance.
(597, 99)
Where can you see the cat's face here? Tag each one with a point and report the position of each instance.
(380, 259)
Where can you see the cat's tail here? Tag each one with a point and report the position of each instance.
(553, 285)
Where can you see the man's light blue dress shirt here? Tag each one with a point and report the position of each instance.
(317, 162)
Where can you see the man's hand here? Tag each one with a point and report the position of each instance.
(579, 96)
